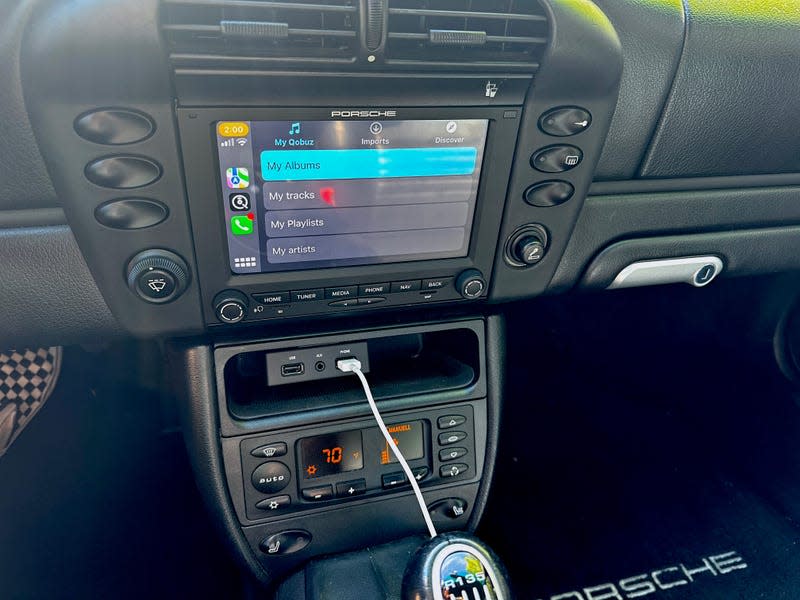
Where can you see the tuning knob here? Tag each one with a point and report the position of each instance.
(471, 284)
(230, 306)
(157, 276)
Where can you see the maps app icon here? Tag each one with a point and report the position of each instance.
(238, 178)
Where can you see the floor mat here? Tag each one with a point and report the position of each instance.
(27, 378)
(663, 479)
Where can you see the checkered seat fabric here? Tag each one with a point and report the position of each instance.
(27, 377)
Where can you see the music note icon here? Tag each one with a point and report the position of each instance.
(295, 128)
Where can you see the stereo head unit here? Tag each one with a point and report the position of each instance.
(310, 211)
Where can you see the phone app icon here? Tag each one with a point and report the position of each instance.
(242, 225)
(239, 202)
(238, 178)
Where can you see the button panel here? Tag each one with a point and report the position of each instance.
(288, 303)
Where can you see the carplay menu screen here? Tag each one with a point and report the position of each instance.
(316, 194)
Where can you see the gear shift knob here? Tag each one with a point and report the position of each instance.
(455, 566)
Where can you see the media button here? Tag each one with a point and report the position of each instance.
(340, 293)
(373, 289)
(398, 287)
(308, 295)
(272, 298)
(436, 284)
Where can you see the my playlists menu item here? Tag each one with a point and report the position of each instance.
(315, 194)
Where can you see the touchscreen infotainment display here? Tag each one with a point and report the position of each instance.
(317, 194)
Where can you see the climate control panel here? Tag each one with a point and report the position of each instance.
(303, 469)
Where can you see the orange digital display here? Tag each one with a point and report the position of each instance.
(409, 439)
(331, 454)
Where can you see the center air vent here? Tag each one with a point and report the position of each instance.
(511, 34)
(254, 33)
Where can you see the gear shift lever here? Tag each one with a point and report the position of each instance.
(455, 566)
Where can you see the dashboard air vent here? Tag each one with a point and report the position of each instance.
(511, 34)
(255, 33)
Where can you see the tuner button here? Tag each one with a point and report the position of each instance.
(230, 306)
(471, 284)
(157, 276)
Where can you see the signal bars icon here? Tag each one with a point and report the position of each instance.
(232, 143)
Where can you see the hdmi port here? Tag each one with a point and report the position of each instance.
(292, 369)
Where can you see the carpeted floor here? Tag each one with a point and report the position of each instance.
(622, 472)
(98, 499)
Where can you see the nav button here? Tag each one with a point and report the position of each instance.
(399, 287)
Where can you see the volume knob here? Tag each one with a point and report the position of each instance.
(471, 284)
(230, 306)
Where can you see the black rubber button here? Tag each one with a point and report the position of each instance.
(448, 421)
(453, 437)
(556, 159)
(270, 450)
(451, 508)
(565, 121)
(131, 213)
(114, 126)
(453, 470)
(448, 454)
(549, 193)
(122, 172)
(285, 542)
(275, 504)
(316, 494)
(271, 477)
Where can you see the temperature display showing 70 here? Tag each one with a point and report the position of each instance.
(331, 454)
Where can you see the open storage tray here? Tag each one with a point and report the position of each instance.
(443, 362)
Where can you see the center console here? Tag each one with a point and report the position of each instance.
(276, 185)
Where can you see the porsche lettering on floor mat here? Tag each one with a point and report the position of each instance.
(639, 586)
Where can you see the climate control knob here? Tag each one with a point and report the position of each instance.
(230, 306)
(471, 284)
(157, 276)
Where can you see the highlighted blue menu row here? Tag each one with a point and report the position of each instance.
(304, 165)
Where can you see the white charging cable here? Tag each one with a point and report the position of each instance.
(353, 365)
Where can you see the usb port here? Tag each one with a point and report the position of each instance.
(292, 369)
